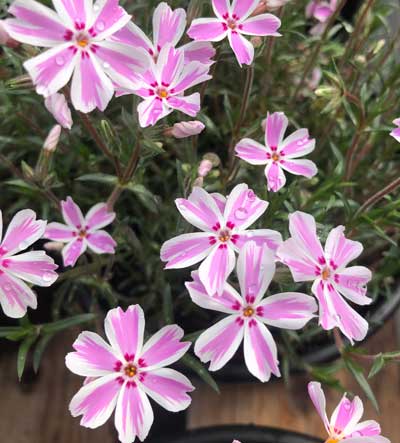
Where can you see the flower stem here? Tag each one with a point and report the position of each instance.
(314, 55)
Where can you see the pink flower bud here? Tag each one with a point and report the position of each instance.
(204, 168)
(57, 105)
(256, 41)
(53, 246)
(187, 129)
(52, 139)
(273, 5)
(5, 38)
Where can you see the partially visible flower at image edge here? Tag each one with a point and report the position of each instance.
(345, 424)
(225, 223)
(327, 269)
(81, 232)
(123, 374)
(232, 22)
(249, 314)
(279, 154)
(396, 132)
(34, 267)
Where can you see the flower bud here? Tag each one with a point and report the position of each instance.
(5, 38)
(52, 139)
(57, 105)
(273, 5)
(213, 158)
(256, 41)
(187, 129)
(53, 246)
(204, 168)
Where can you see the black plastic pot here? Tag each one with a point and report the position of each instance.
(245, 434)
(322, 352)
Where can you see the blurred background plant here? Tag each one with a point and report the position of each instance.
(343, 85)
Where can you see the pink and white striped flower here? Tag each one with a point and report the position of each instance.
(279, 154)
(80, 233)
(327, 268)
(34, 267)
(396, 132)
(79, 35)
(164, 84)
(345, 424)
(248, 314)
(123, 374)
(168, 28)
(224, 222)
(57, 105)
(234, 21)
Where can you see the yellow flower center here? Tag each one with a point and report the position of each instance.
(248, 312)
(232, 24)
(130, 370)
(332, 440)
(224, 236)
(82, 42)
(275, 157)
(326, 273)
(82, 233)
(162, 93)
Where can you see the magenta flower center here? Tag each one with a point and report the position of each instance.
(231, 22)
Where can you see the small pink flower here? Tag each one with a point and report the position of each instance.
(187, 129)
(321, 11)
(57, 105)
(82, 232)
(248, 313)
(51, 142)
(224, 222)
(328, 270)
(205, 168)
(122, 375)
(233, 21)
(164, 85)
(279, 154)
(34, 267)
(168, 28)
(79, 37)
(345, 424)
(396, 132)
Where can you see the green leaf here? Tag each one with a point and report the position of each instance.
(98, 178)
(51, 328)
(379, 363)
(22, 354)
(39, 349)
(148, 199)
(357, 373)
(5, 331)
(200, 370)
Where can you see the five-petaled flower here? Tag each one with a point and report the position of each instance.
(79, 35)
(279, 154)
(224, 222)
(345, 424)
(164, 84)
(34, 267)
(82, 232)
(248, 313)
(168, 28)
(233, 20)
(307, 261)
(123, 374)
(396, 132)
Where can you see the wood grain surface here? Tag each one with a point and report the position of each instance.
(36, 411)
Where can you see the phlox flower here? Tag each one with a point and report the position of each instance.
(234, 21)
(396, 132)
(123, 374)
(34, 267)
(78, 34)
(168, 28)
(80, 233)
(57, 105)
(328, 270)
(164, 84)
(279, 154)
(345, 424)
(248, 314)
(321, 11)
(224, 222)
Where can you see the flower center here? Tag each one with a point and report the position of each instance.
(248, 312)
(332, 440)
(82, 40)
(162, 93)
(326, 273)
(231, 23)
(130, 370)
(275, 157)
(224, 235)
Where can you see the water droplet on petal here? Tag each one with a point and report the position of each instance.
(106, 65)
(250, 234)
(23, 245)
(100, 25)
(48, 276)
(96, 7)
(241, 213)
(251, 195)
(252, 289)
(7, 287)
(60, 61)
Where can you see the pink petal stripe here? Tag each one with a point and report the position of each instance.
(171, 62)
(101, 242)
(168, 388)
(263, 24)
(110, 19)
(352, 281)
(243, 8)
(219, 343)
(221, 7)
(150, 111)
(297, 144)
(276, 178)
(275, 129)
(59, 232)
(242, 48)
(99, 216)
(168, 25)
(74, 11)
(73, 250)
(367, 428)
(347, 414)
(164, 347)
(243, 207)
(307, 168)
(340, 250)
(125, 330)
(318, 398)
(133, 36)
(273, 239)
(252, 152)
(72, 214)
(15, 296)
(260, 352)
(207, 29)
(202, 52)
(93, 356)
(192, 74)
(189, 105)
